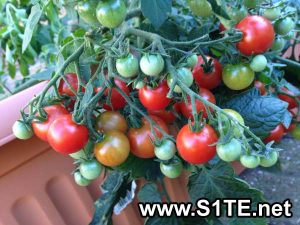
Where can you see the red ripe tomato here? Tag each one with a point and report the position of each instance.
(64, 88)
(67, 137)
(222, 27)
(41, 128)
(186, 109)
(117, 101)
(197, 147)
(140, 143)
(208, 79)
(167, 116)
(261, 87)
(276, 134)
(292, 102)
(258, 35)
(155, 98)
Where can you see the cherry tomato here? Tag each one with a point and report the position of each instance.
(284, 26)
(238, 77)
(111, 13)
(238, 15)
(208, 78)
(258, 35)
(222, 28)
(21, 130)
(250, 161)
(197, 147)
(291, 101)
(186, 109)
(86, 10)
(80, 180)
(167, 116)
(269, 161)
(192, 61)
(53, 112)
(166, 150)
(296, 132)
(64, 88)
(128, 66)
(276, 134)
(261, 87)
(155, 98)
(117, 100)
(226, 123)
(140, 143)
(90, 169)
(200, 8)
(230, 151)
(111, 120)
(113, 150)
(278, 44)
(172, 170)
(272, 13)
(291, 127)
(258, 63)
(67, 137)
(185, 75)
(152, 65)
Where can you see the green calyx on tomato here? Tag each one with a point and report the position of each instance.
(90, 169)
(284, 26)
(270, 160)
(128, 66)
(200, 7)
(258, 63)
(152, 65)
(22, 130)
(238, 77)
(250, 161)
(185, 75)
(80, 180)
(111, 13)
(166, 150)
(172, 170)
(86, 10)
(230, 151)
(191, 61)
(272, 13)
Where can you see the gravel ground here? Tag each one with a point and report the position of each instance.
(280, 185)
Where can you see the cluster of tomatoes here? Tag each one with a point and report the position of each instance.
(195, 143)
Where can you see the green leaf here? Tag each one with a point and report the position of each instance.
(163, 221)
(33, 19)
(149, 193)
(156, 11)
(43, 75)
(213, 184)
(261, 113)
(116, 187)
(12, 70)
(219, 9)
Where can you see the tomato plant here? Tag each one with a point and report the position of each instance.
(110, 120)
(276, 134)
(197, 147)
(140, 138)
(22, 130)
(289, 97)
(90, 169)
(185, 75)
(165, 150)
(208, 76)
(172, 170)
(70, 86)
(250, 161)
(229, 151)
(167, 116)
(258, 35)
(80, 180)
(152, 65)
(127, 66)
(86, 11)
(269, 160)
(65, 136)
(284, 26)
(200, 7)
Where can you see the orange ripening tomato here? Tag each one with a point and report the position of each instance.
(111, 120)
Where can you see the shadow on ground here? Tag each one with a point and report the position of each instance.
(278, 186)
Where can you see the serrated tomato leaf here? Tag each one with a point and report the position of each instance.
(218, 9)
(156, 11)
(261, 113)
(149, 193)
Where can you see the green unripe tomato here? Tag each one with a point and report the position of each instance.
(258, 63)
(21, 130)
(79, 155)
(128, 67)
(278, 44)
(192, 61)
(237, 77)
(200, 7)
(230, 151)
(80, 180)
(226, 123)
(252, 3)
(238, 15)
(185, 75)
(290, 35)
(272, 13)
(269, 161)
(90, 169)
(284, 26)
(152, 65)
(172, 170)
(296, 132)
(250, 161)
(139, 84)
(166, 150)
(87, 12)
(111, 13)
